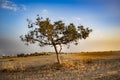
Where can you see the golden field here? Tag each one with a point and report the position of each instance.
(74, 66)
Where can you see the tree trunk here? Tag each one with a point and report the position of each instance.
(57, 54)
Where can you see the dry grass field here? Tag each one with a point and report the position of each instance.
(74, 66)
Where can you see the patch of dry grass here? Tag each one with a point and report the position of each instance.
(105, 53)
(68, 64)
(96, 55)
(11, 66)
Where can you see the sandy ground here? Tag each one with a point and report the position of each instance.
(73, 67)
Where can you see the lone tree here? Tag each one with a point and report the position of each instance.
(56, 34)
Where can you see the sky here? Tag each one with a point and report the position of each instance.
(103, 16)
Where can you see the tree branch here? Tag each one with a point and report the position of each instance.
(43, 42)
(60, 48)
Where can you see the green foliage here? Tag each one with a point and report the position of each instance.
(21, 55)
(34, 54)
(46, 33)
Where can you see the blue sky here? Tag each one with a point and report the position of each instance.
(103, 16)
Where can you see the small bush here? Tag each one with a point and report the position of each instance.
(21, 55)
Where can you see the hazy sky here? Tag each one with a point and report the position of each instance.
(103, 16)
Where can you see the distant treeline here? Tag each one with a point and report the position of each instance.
(49, 53)
(31, 54)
